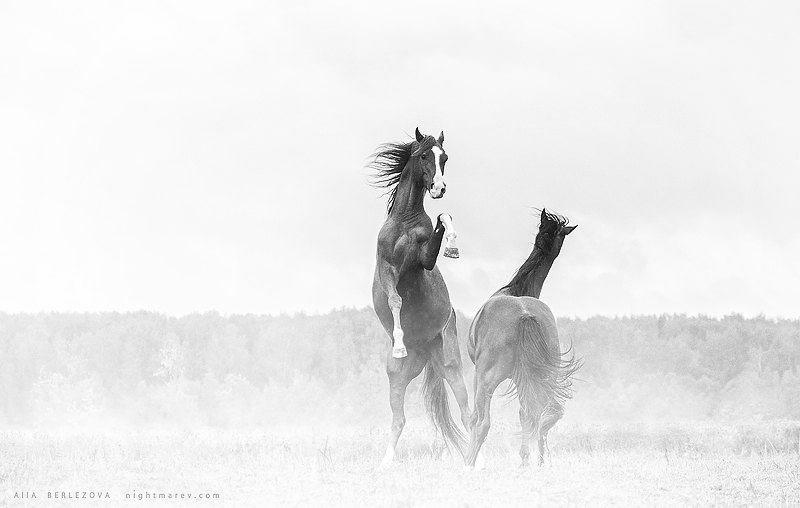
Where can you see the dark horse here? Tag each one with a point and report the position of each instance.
(408, 291)
(514, 336)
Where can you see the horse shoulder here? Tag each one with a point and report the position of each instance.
(421, 232)
(390, 240)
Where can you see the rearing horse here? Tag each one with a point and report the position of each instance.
(514, 336)
(408, 291)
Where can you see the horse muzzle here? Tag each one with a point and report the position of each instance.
(437, 190)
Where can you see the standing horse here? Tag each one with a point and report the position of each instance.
(408, 291)
(514, 336)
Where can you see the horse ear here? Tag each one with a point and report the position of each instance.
(441, 139)
(420, 137)
(544, 214)
(569, 229)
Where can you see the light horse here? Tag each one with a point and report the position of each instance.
(514, 336)
(408, 291)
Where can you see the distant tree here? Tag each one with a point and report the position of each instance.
(171, 358)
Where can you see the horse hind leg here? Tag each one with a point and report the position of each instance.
(446, 360)
(398, 382)
(388, 277)
(551, 414)
(481, 417)
(398, 346)
(455, 379)
(529, 424)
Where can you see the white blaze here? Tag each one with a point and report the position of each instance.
(438, 179)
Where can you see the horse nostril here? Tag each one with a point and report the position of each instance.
(444, 189)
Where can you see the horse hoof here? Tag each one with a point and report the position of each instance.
(388, 459)
(399, 352)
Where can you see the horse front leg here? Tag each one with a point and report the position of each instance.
(450, 235)
(430, 250)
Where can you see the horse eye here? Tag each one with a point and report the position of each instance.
(422, 156)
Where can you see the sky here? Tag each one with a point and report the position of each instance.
(191, 156)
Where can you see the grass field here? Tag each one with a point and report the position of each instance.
(588, 465)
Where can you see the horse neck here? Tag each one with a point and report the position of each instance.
(540, 274)
(409, 197)
(530, 278)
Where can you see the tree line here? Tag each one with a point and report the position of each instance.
(148, 368)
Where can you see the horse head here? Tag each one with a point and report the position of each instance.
(553, 228)
(429, 158)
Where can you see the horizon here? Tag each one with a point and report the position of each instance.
(303, 313)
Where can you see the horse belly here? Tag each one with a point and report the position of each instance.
(426, 306)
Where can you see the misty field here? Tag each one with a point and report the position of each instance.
(588, 465)
(293, 410)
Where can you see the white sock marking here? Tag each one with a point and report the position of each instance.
(449, 230)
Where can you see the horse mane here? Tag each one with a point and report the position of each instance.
(545, 239)
(388, 162)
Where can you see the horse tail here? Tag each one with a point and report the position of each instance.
(542, 376)
(438, 408)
